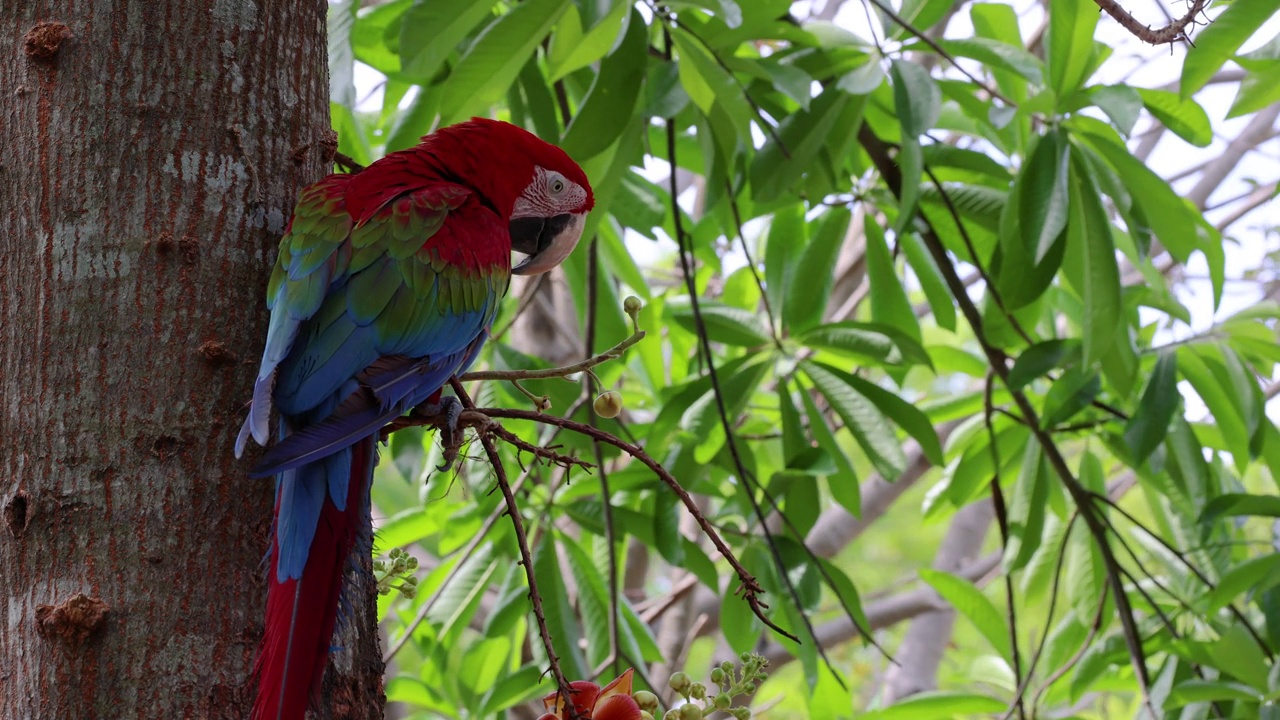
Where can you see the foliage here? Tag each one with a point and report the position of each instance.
(979, 165)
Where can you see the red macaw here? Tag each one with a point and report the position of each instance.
(386, 285)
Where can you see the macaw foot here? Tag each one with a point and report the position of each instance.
(451, 440)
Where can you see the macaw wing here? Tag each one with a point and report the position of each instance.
(312, 251)
(424, 278)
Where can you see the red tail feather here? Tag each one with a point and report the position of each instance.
(301, 613)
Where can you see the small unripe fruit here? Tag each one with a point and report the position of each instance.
(690, 711)
(741, 713)
(717, 675)
(632, 304)
(645, 699)
(608, 404)
(698, 691)
(749, 687)
(672, 714)
(680, 682)
(722, 702)
(644, 715)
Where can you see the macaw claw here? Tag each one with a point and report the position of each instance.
(451, 409)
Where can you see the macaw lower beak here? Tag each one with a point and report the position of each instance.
(546, 241)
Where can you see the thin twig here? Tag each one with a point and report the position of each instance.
(1002, 521)
(933, 45)
(346, 163)
(526, 559)
(610, 534)
(558, 372)
(755, 274)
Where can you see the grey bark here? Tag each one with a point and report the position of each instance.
(150, 154)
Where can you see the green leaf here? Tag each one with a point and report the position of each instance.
(483, 663)
(1174, 221)
(431, 31)
(969, 601)
(513, 689)
(889, 303)
(805, 135)
(787, 233)
(794, 442)
(863, 419)
(917, 101)
(1085, 579)
(1215, 44)
(666, 527)
(806, 301)
(460, 599)
(1183, 116)
(1259, 89)
(607, 108)
(874, 343)
(916, 98)
(1226, 404)
(995, 54)
(1071, 393)
(1149, 425)
(1019, 278)
(1090, 264)
(574, 50)
(936, 705)
(561, 623)
(1039, 359)
(1069, 44)
(709, 85)
(1043, 195)
(1247, 575)
(724, 323)
(1121, 103)
(1237, 654)
(1208, 691)
(407, 527)
(593, 601)
(342, 88)
(843, 483)
(493, 61)
(1237, 504)
(930, 278)
(1027, 509)
(904, 414)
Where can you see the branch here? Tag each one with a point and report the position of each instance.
(998, 362)
(1174, 31)
(481, 417)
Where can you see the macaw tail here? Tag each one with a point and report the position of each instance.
(312, 540)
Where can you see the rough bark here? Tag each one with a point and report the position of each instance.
(150, 153)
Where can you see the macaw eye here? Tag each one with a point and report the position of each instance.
(557, 186)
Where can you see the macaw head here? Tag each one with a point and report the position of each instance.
(542, 193)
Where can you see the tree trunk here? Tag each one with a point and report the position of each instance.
(150, 154)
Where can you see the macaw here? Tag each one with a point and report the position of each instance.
(386, 285)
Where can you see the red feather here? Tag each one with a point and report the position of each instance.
(301, 613)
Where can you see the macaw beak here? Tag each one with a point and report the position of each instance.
(546, 241)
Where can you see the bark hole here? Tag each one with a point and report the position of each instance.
(15, 514)
(71, 621)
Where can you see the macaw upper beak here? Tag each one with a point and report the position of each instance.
(546, 241)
